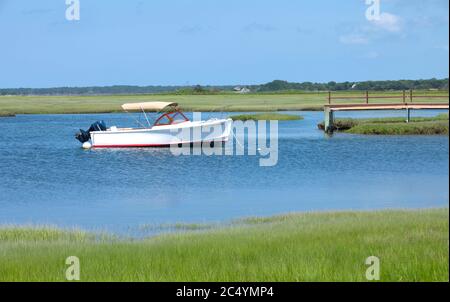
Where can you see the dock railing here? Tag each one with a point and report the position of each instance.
(405, 96)
(407, 103)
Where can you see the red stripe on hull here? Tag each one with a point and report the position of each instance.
(148, 146)
(130, 146)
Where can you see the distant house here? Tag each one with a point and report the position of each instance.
(238, 89)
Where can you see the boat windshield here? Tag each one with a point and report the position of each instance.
(171, 118)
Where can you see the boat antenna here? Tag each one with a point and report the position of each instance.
(143, 111)
(136, 120)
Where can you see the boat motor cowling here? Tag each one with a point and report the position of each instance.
(84, 136)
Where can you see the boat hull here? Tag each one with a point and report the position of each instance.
(163, 136)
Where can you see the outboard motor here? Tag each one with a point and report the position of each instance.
(84, 136)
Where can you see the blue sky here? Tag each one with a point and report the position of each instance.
(177, 42)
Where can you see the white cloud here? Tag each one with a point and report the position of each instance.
(374, 29)
(443, 47)
(389, 22)
(371, 55)
(353, 39)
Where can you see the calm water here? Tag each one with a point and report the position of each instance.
(46, 178)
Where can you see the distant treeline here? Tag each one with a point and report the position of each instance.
(274, 86)
(117, 89)
(441, 84)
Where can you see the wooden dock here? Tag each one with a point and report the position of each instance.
(329, 110)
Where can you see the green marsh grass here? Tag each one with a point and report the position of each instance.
(437, 125)
(414, 128)
(266, 117)
(230, 102)
(412, 245)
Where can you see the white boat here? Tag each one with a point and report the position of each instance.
(172, 127)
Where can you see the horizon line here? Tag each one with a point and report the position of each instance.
(218, 85)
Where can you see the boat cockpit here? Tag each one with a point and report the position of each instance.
(171, 118)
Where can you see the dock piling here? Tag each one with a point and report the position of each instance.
(329, 120)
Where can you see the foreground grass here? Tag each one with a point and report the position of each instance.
(437, 125)
(411, 245)
(266, 117)
(215, 102)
